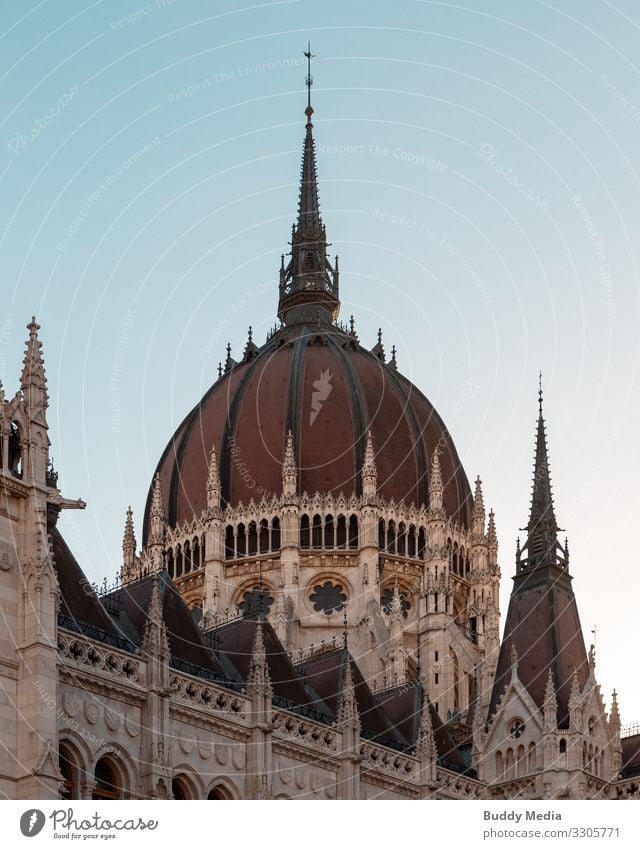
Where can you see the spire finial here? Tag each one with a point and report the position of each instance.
(540, 393)
(345, 628)
(309, 80)
(250, 333)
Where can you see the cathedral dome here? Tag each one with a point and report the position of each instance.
(312, 378)
(319, 383)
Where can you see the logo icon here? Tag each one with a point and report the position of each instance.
(321, 391)
(32, 822)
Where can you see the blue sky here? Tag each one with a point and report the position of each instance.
(479, 169)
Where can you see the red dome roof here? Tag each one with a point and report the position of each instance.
(322, 385)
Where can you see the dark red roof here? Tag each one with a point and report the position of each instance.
(248, 412)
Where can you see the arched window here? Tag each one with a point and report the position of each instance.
(256, 602)
(229, 547)
(391, 537)
(422, 543)
(341, 532)
(181, 788)
(353, 531)
(275, 534)
(241, 541)
(219, 792)
(454, 559)
(328, 532)
(15, 450)
(187, 557)
(203, 550)
(562, 746)
(195, 553)
(264, 536)
(499, 765)
(253, 538)
(382, 541)
(532, 757)
(402, 539)
(305, 539)
(411, 541)
(108, 785)
(316, 532)
(70, 771)
(178, 560)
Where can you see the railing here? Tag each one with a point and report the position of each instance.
(630, 730)
(94, 633)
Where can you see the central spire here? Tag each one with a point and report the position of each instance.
(309, 282)
(541, 547)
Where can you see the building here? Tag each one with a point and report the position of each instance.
(314, 611)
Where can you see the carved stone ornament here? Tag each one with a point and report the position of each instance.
(71, 703)
(91, 711)
(7, 556)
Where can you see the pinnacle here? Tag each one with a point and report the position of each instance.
(156, 500)
(129, 540)
(33, 381)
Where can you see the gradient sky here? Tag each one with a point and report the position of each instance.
(479, 167)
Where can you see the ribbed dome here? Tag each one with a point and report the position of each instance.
(321, 384)
(314, 379)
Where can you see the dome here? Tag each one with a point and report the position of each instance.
(312, 377)
(329, 391)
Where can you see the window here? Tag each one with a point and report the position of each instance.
(107, 784)
(305, 539)
(516, 728)
(386, 600)
(328, 598)
(256, 602)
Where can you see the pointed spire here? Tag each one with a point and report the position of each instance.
(289, 468)
(229, 362)
(426, 744)
(213, 481)
(33, 381)
(155, 640)
(309, 283)
(575, 701)
(128, 548)
(156, 519)
(435, 483)
(348, 710)
(251, 350)
(259, 668)
(514, 662)
(378, 348)
(542, 530)
(550, 704)
(614, 716)
(492, 536)
(478, 513)
(396, 604)
(393, 362)
(369, 470)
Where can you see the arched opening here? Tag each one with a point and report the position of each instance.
(402, 539)
(562, 746)
(229, 545)
(353, 531)
(241, 541)
(411, 541)
(203, 550)
(454, 559)
(341, 532)
(391, 537)
(499, 765)
(70, 770)
(328, 532)
(316, 532)
(253, 539)
(422, 543)
(15, 450)
(531, 762)
(275, 534)
(305, 535)
(170, 564)
(264, 536)
(187, 557)
(219, 792)
(181, 788)
(108, 783)
(382, 542)
(178, 560)
(195, 553)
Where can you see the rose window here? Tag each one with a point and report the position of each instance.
(328, 597)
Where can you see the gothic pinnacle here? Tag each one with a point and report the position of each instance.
(348, 710)
(435, 483)
(478, 511)
(33, 381)
(259, 669)
(614, 716)
(289, 469)
(426, 745)
(213, 481)
(155, 641)
(369, 470)
(129, 540)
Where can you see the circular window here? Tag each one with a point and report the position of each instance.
(328, 598)
(516, 729)
(256, 602)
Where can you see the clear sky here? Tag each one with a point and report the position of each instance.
(479, 167)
